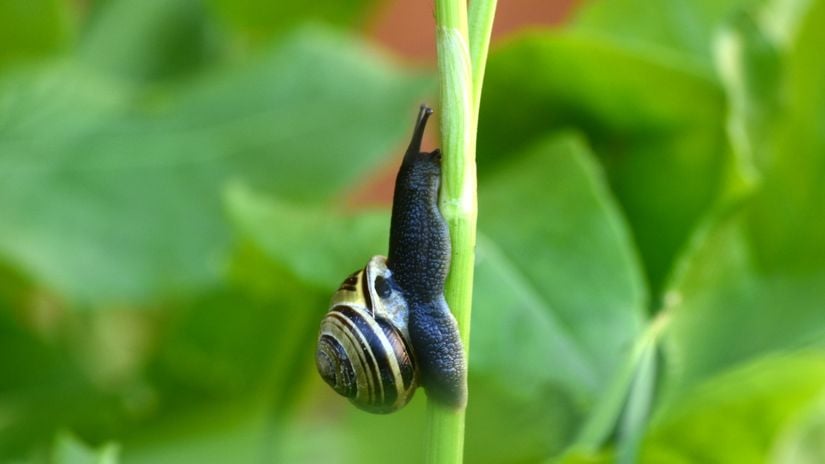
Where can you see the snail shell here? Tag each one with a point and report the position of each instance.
(364, 350)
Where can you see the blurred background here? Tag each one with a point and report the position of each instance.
(183, 184)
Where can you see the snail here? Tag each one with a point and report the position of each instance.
(389, 328)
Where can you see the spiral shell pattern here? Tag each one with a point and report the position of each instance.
(364, 351)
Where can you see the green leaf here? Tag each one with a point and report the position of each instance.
(208, 435)
(749, 64)
(36, 330)
(760, 270)
(195, 362)
(32, 28)
(319, 246)
(147, 40)
(657, 127)
(132, 375)
(749, 293)
(787, 223)
(803, 442)
(259, 20)
(230, 367)
(672, 29)
(107, 198)
(737, 416)
(578, 457)
(68, 450)
(252, 432)
(559, 299)
(725, 310)
(375, 438)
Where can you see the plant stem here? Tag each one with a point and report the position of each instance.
(460, 77)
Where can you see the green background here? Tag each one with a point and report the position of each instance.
(176, 184)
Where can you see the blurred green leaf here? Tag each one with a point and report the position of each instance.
(231, 366)
(803, 442)
(749, 64)
(320, 246)
(578, 457)
(672, 29)
(737, 416)
(754, 282)
(725, 310)
(33, 28)
(45, 385)
(764, 264)
(237, 434)
(259, 20)
(559, 299)
(788, 224)
(330, 429)
(752, 56)
(657, 127)
(143, 40)
(210, 353)
(68, 450)
(399, 437)
(145, 376)
(125, 203)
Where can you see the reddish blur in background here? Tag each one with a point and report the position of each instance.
(406, 29)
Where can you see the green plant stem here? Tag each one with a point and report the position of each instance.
(460, 79)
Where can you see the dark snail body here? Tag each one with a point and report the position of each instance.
(419, 254)
(419, 259)
(405, 297)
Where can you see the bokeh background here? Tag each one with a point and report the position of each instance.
(183, 183)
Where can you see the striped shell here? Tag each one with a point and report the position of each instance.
(364, 352)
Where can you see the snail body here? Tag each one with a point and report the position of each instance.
(389, 328)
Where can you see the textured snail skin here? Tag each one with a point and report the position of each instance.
(419, 258)
(388, 328)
